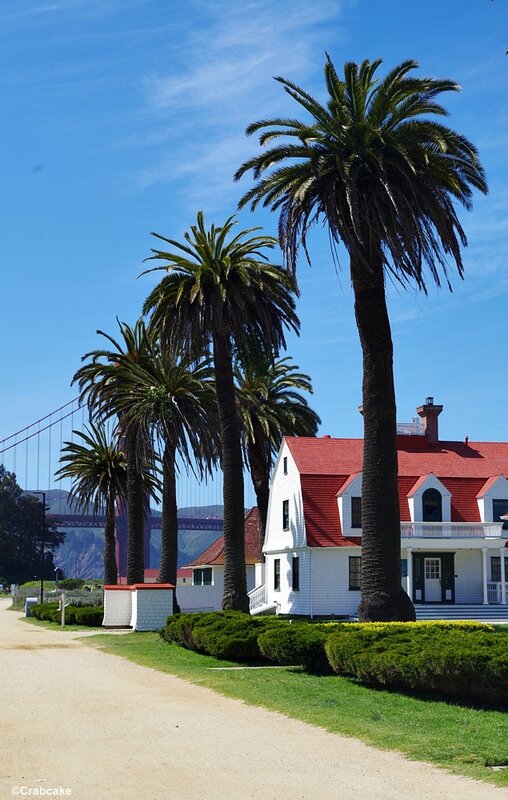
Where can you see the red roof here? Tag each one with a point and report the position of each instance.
(215, 553)
(328, 465)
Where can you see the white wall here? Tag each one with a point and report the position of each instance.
(285, 487)
(324, 582)
(209, 598)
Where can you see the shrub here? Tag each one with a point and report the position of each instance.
(71, 583)
(463, 661)
(223, 634)
(299, 643)
(44, 611)
(91, 615)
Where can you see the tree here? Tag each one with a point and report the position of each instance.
(21, 534)
(98, 469)
(221, 294)
(271, 407)
(99, 384)
(172, 400)
(383, 176)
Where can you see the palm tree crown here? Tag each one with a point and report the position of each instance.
(372, 164)
(383, 174)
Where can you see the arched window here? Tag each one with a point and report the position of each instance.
(432, 506)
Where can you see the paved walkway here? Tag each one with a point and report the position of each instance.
(102, 728)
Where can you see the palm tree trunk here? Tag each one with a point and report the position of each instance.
(110, 567)
(382, 597)
(260, 474)
(169, 522)
(235, 580)
(135, 513)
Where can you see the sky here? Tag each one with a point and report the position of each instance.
(126, 117)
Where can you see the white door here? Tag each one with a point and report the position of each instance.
(433, 580)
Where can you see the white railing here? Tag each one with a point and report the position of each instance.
(414, 428)
(495, 592)
(257, 597)
(447, 530)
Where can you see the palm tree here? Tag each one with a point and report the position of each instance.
(99, 384)
(221, 294)
(271, 407)
(383, 175)
(98, 469)
(172, 400)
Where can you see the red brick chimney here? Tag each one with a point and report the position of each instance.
(429, 414)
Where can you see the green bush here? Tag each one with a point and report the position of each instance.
(299, 643)
(71, 583)
(462, 661)
(227, 635)
(91, 616)
(44, 611)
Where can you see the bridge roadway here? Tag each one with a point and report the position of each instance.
(153, 522)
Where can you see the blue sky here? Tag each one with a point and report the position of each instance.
(122, 117)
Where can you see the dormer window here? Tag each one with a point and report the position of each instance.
(500, 509)
(432, 506)
(356, 512)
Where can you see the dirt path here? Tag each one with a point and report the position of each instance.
(105, 729)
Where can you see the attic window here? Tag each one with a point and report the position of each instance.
(285, 515)
(432, 506)
(499, 509)
(285, 465)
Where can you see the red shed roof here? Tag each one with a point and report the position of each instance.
(214, 554)
(327, 465)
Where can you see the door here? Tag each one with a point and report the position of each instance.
(433, 591)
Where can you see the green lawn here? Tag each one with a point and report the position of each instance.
(465, 740)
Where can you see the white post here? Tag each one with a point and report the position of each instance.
(62, 608)
(485, 587)
(503, 576)
(410, 573)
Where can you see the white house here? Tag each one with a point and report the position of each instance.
(205, 591)
(452, 497)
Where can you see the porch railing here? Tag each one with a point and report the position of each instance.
(495, 593)
(452, 530)
(257, 597)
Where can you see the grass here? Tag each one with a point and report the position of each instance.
(55, 626)
(464, 740)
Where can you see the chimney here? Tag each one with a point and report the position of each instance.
(429, 414)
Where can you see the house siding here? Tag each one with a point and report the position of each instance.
(285, 487)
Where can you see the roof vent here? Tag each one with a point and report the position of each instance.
(326, 436)
(429, 401)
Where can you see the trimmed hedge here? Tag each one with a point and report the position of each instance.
(465, 660)
(300, 644)
(229, 635)
(90, 616)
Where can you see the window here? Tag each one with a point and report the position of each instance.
(495, 568)
(499, 509)
(432, 506)
(285, 465)
(202, 577)
(276, 574)
(295, 585)
(356, 512)
(285, 515)
(355, 568)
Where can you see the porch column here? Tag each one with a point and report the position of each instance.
(410, 572)
(485, 587)
(503, 576)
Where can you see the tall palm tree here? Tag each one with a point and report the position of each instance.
(99, 383)
(271, 407)
(98, 470)
(172, 400)
(383, 176)
(220, 294)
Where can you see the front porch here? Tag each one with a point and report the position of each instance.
(469, 575)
